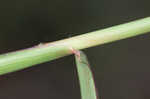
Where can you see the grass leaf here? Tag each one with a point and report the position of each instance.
(87, 85)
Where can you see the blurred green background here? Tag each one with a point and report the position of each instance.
(121, 69)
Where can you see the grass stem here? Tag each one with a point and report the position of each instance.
(14, 61)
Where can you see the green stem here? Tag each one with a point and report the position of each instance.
(46, 52)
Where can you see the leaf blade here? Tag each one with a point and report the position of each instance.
(86, 79)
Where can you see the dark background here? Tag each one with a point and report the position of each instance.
(121, 69)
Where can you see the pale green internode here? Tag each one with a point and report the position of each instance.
(86, 80)
(18, 60)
